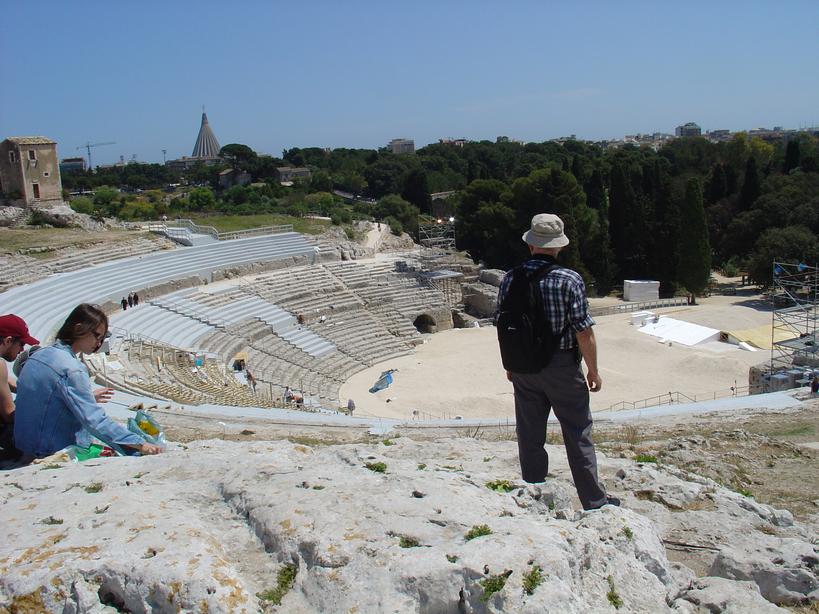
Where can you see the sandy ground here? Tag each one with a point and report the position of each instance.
(458, 372)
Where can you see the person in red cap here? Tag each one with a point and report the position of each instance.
(14, 337)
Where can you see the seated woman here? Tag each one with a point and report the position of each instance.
(55, 404)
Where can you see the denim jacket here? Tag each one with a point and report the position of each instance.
(55, 406)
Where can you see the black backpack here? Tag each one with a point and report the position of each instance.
(525, 335)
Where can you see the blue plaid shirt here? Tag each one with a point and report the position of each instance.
(564, 297)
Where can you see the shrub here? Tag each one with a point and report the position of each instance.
(493, 584)
(645, 458)
(406, 541)
(612, 596)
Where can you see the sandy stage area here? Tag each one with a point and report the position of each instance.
(459, 372)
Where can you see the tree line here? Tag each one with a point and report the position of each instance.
(631, 213)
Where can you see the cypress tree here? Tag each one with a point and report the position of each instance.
(750, 185)
(695, 250)
(791, 156)
(717, 184)
(596, 196)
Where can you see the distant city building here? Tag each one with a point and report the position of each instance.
(30, 171)
(454, 142)
(72, 164)
(689, 129)
(205, 150)
(718, 136)
(288, 174)
(402, 146)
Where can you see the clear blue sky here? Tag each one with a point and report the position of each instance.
(356, 73)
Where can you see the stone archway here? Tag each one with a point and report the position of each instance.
(425, 323)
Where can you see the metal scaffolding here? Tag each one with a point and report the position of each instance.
(795, 297)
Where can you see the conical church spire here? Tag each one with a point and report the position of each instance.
(206, 144)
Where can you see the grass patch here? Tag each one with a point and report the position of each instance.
(451, 558)
(645, 458)
(628, 533)
(284, 582)
(94, 488)
(422, 466)
(745, 492)
(51, 466)
(493, 584)
(407, 541)
(388, 442)
(613, 597)
(318, 487)
(797, 430)
(479, 530)
(231, 223)
(377, 467)
(532, 579)
(51, 520)
(503, 486)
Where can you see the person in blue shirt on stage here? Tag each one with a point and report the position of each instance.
(56, 406)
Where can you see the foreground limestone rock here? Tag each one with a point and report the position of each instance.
(395, 527)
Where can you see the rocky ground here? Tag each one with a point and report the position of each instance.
(422, 524)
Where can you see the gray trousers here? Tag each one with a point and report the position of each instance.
(561, 386)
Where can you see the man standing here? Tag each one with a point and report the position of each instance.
(13, 337)
(560, 384)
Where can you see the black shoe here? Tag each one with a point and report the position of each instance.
(609, 501)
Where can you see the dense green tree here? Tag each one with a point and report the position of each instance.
(238, 155)
(717, 186)
(416, 189)
(555, 191)
(393, 206)
(750, 185)
(385, 176)
(320, 181)
(792, 244)
(468, 231)
(792, 157)
(695, 250)
(201, 199)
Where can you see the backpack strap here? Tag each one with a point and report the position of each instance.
(534, 279)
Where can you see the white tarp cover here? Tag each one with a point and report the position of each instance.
(635, 290)
(679, 331)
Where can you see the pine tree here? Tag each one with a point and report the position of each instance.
(695, 249)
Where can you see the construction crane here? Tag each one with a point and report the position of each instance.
(88, 147)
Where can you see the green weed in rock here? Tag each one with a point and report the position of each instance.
(478, 530)
(532, 579)
(407, 541)
(613, 597)
(628, 533)
(284, 582)
(645, 458)
(501, 486)
(94, 488)
(493, 584)
(377, 467)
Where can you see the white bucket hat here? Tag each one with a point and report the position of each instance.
(546, 231)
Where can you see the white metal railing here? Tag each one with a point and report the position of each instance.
(628, 307)
(675, 398)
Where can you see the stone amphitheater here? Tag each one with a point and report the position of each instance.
(296, 314)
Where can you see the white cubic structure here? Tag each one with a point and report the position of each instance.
(638, 290)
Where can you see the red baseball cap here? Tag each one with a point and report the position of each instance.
(14, 326)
